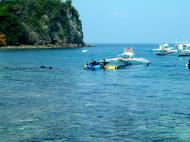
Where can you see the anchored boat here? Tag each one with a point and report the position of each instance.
(127, 58)
(124, 59)
(93, 66)
(164, 49)
(103, 64)
(183, 49)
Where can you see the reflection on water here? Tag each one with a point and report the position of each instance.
(69, 104)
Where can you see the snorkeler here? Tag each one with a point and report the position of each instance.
(44, 67)
(86, 66)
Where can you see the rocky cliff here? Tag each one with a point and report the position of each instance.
(40, 22)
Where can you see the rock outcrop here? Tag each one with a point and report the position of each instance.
(40, 22)
(2, 39)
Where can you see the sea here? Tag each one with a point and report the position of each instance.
(138, 103)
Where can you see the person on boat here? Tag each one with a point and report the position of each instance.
(93, 63)
(103, 63)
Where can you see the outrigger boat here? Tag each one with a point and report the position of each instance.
(183, 49)
(127, 58)
(164, 49)
(124, 59)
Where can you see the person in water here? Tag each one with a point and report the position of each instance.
(86, 66)
(44, 67)
(189, 64)
(93, 63)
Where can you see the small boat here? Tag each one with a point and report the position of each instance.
(183, 49)
(164, 49)
(124, 59)
(84, 51)
(96, 65)
(127, 58)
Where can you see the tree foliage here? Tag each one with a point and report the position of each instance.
(2, 39)
(40, 22)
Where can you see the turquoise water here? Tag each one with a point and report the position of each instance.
(68, 104)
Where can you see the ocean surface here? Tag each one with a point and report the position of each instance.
(69, 104)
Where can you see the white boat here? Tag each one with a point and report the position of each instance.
(164, 49)
(127, 58)
(183, 49)
(84, 51)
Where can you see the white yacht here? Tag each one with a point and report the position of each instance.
(183, 49)
(164, 49)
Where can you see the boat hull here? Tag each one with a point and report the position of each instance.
(183, 49)
(111, 67)
(121, 63)
(184, 53)
(94, 67)
(164, 52)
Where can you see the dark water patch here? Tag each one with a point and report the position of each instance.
(171, 65)
(182, 114)
(26, 69)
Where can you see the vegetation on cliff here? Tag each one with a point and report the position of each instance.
(2, 39)
(40, 22)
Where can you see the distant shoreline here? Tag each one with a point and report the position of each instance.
(49, 46)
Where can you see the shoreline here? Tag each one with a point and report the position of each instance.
(49, 46)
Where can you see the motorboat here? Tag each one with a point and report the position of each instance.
(164, 49)
(126, 58)
(84, 51)
(183, 49)
(93, 65)
(123, 60)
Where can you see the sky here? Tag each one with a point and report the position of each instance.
(134, 21)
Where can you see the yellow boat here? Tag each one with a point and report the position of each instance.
(111, 67)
